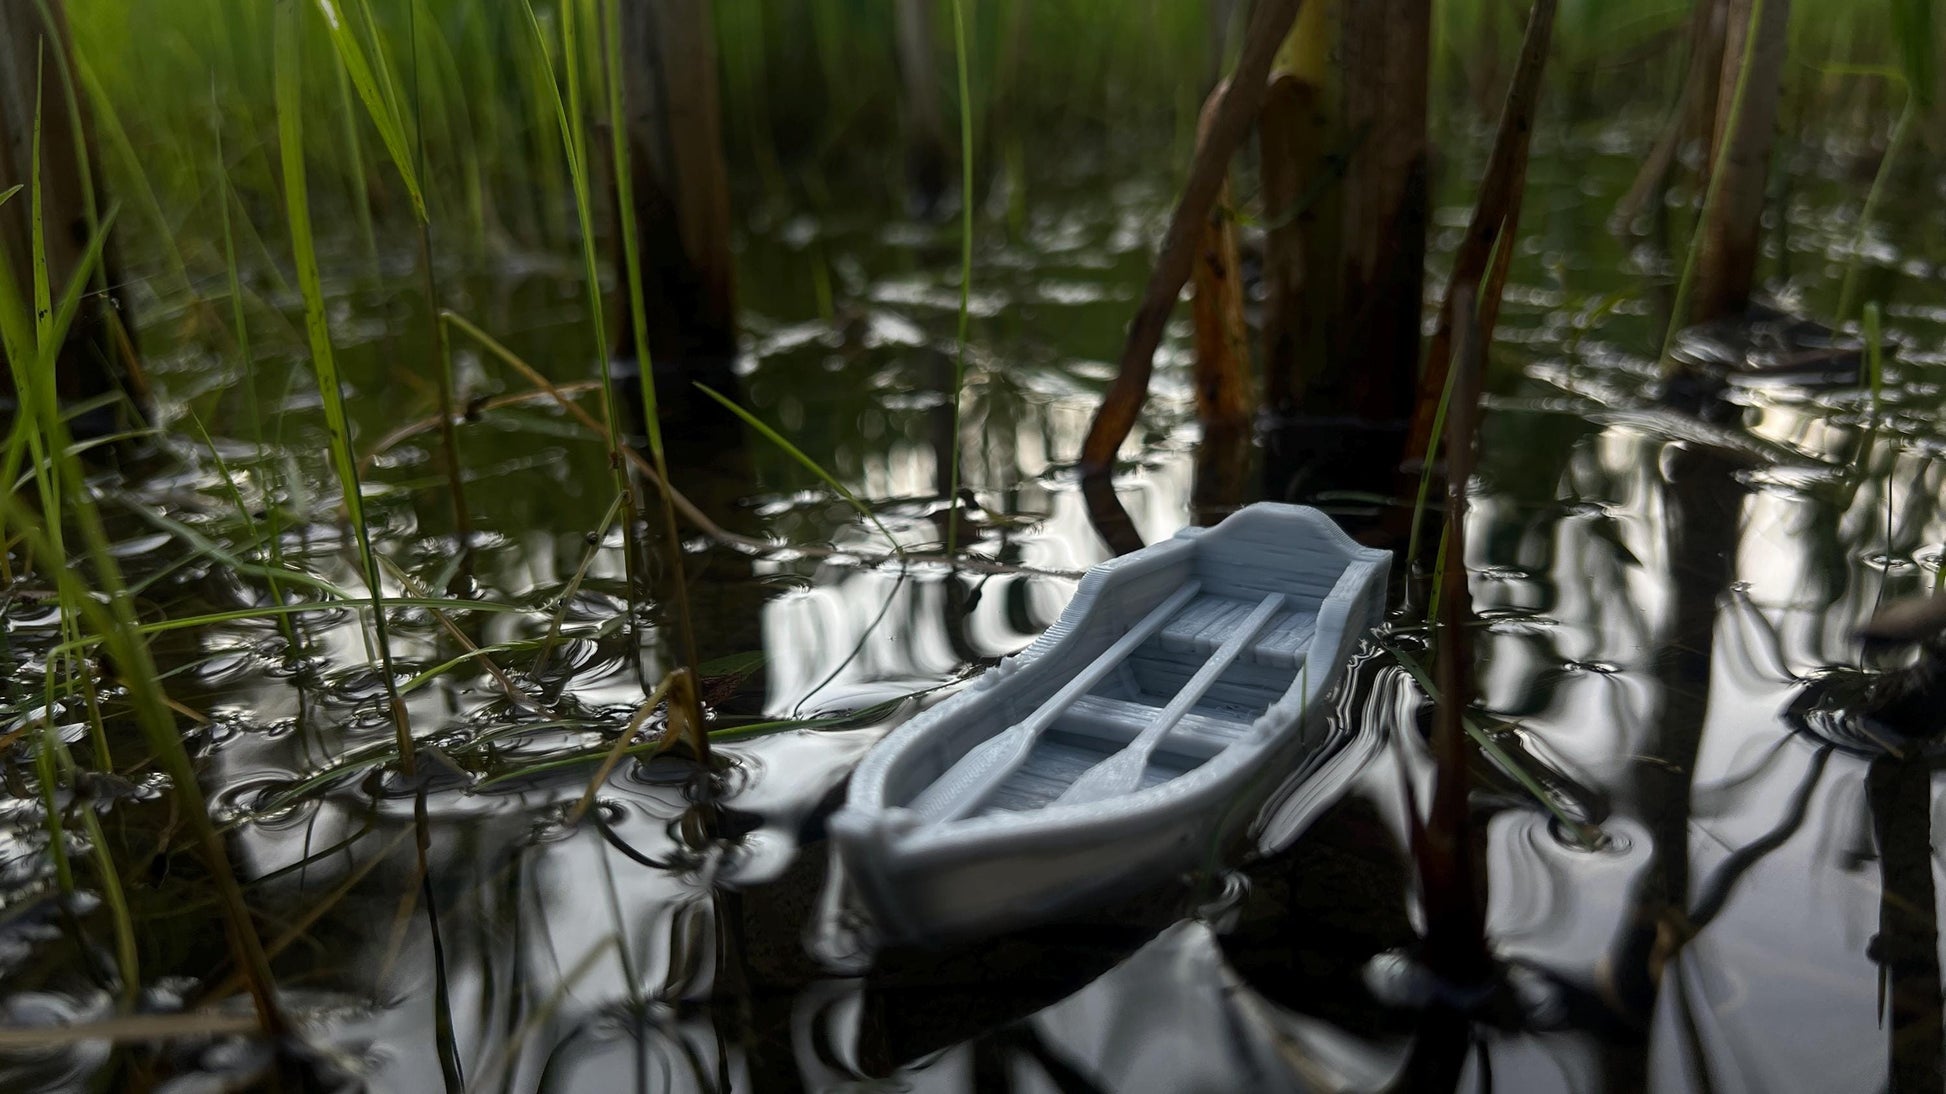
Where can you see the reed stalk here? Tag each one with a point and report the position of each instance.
(1901, 133)
(1270, 22)
(289, 108)
(578, 175)
(1720, 264)
(631, 253)
(965, 268)
(1224, 399)
(1712, 195)
(1493, 225)
(1451, 888)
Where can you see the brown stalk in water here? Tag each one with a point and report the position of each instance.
(1455, 943)
(1495, 219)
(1753, 86)
(1222, 371)
(680, 690)
(1697, 97)
(480, 406)
(1235, 111)
(1721, 264)
(512, 690)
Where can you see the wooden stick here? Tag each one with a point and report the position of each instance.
(1698, 94)
(1269, 23)
(1224, 398)
(1456, 946)
(1496, 216)
(1747, 104)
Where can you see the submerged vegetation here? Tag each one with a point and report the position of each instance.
(474, 463)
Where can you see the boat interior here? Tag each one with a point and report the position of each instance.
(1153, 672)
(1107, 718)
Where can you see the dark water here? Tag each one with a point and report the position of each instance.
(1758, 911)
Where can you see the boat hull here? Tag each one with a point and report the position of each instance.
(1022, 859)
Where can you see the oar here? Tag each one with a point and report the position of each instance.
(1121, 773)
(968, 782)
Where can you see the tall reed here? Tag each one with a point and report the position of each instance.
(631, 247)
(241, 332)
(575, 151)
(965, 264)
(289, 103)
(377, 88)
(1713, 193)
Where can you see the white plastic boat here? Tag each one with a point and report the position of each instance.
(1128, 743)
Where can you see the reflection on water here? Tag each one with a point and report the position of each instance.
(1654, 592)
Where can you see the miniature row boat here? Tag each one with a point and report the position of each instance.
(1128, 743)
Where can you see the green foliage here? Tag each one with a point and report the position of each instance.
(378, 92)
(99, 600)
(783, 444)
(317, 326)
(1912, 32)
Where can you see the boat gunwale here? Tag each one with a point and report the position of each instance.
(941, 842)
(1182, 793)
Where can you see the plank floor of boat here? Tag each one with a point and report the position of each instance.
(1058, 759)
(1095, 728)
(1099, 725)
(1208, 620)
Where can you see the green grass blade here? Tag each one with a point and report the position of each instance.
(76, 289)
(108, 124)
(241, 332)
(1901, 133)
(1420, 502)
(381, 102)
(574, 584)
(638, 320)
(107, 607)
(808, 463)
(290, 139)
(361, 204)
(1712, 194)
(631, 240)
(1913, 34)
(584, 214)
(43, 302)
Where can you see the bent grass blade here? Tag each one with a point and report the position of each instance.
(807, 462)
(381, 103)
